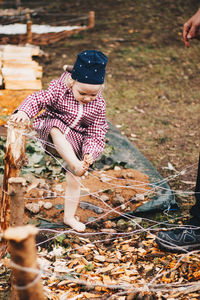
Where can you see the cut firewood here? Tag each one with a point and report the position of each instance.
(22, 72)
(19, 71)
(23, 85)
(17, 51)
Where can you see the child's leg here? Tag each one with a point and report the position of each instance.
(71, 202)
(66, 151)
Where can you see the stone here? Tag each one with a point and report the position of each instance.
(139, 197)
(33, 193)
(123, 207)
(128, 175)
(48, 205)
(118, 200)
(33, 207)
(49, 194)
(58, 188)
(104, 197)
(134, 221)
(95, 208)
(104, 178)
(91, 219)
(121, 224)
(117, 168)
(41, 203)
(108, 224)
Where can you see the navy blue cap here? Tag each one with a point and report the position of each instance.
(90, 67)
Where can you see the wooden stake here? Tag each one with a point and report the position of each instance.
(21, 242)
(14, 160)
(29, 31)
(16, 193)
(91, 19)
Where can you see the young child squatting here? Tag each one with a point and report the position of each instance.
(73, 120)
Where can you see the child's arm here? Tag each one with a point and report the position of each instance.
(94, 138)
(37, 101)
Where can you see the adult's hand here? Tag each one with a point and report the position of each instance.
(191, 29)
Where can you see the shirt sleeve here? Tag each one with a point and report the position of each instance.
(38, 101)
(94, 139)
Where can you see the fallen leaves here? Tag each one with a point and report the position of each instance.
(88, 269)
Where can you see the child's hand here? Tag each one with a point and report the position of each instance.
(20, 116)
(88, 158)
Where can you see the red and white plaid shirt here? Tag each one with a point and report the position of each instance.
(84, 125)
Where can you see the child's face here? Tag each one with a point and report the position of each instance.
(84, 92)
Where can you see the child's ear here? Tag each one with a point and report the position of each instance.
(69, 82)
(68, 68)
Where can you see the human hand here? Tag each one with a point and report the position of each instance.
(20, 116)
(88, 158)
(191, 29)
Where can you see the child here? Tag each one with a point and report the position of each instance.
(74, 120)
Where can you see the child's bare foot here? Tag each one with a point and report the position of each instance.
(76, 225)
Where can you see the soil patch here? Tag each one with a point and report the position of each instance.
(104, 195)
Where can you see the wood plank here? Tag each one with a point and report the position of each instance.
(23, 85)
(18, 74)
(21, 50)
(25, 73)
(21, 64)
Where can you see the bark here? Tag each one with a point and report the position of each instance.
(16, 193)
(14, 160)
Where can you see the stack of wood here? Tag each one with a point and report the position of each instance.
(18, 70)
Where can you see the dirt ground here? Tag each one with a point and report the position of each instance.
(119, 191)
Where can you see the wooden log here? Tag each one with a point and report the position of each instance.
(16, 192)
(25, 273)
(14, 159)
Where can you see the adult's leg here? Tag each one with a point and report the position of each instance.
(184, 238)
(195, 210)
